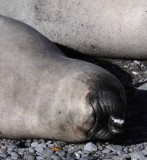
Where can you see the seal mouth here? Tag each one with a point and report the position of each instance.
(107, 125)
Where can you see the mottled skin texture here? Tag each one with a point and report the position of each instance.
(44, 94)
(104, 28)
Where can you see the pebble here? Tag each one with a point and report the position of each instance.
(73, 149)
(91, 147)
(77, 155)
(21, 151)
(42, 145)
(100, 148)
(145, 152)
(39, 149)
(34, 144)
(61, 153)
(14, 155)
(55, 157)
(114, 148)
(11, 147)
(47, 152)
(48, 143)
(70, 159)
(29, 157)
(135, 73)
(3, 153)
(69, 155)
(120, 153)
(111, 155)
(31, 150)
(106, 151)
(137, 62)
(137, 156)
(85, 153)
(39, 158)
(130, 150)
(97, 153)
(126, 150)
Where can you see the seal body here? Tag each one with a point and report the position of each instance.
(44, 94)
(110, 28)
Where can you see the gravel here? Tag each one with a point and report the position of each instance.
(131, 145)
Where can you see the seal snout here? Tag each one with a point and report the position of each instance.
(115, 125)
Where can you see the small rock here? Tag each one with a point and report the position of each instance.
(111, 155)
(85, 153)
(145, 152)
(90, 147)
(126, 150)
(137, 156)
(14, 155)
(47, 152)
(114, 148)
(39, 158)
(106, 151)
(73, 149)
(28, 140)
(135, 73)
(21, 152)
(96, 154)
(41, 141)
(130, 150)
(3, 153)
(55, 157)
(11, 147)
(69, 155)
(39, 149)
(78, 156)
(89, 158)
(137, 62)
(34, 144)
(120, 153)
(31, 149)
(29, 157)
(48, 158)
(145, 148)
(100, 148)
(48, 143)
(51, 145)
(43, 145)
(8, 158)
(61, 153)
(27, 144)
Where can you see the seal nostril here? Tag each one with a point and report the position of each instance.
(115, 125)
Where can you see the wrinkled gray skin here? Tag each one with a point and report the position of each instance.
(44, 94)
(104, 28)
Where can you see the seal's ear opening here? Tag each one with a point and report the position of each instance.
(115, 125)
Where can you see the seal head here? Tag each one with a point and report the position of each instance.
(109, 102)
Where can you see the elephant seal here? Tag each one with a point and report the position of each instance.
(103, 28)
(44, 94)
